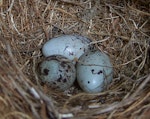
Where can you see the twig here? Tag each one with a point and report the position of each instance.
(139, 11)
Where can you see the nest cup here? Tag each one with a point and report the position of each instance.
(120, 29)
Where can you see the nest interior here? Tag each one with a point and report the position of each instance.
(119, 28)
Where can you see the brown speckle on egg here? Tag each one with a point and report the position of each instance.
(65, 80)
(59, 79)
(100, 72)
(46, 71)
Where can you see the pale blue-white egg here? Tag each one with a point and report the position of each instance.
(94, 71)
(70, 46)
(57, 72)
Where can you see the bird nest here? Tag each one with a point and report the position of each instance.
(119, 28)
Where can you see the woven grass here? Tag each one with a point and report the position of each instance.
(119, 28)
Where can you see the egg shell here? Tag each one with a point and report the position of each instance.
(57, 71)
(94, 71)
(70, 46)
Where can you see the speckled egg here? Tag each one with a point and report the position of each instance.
(70, 46)
(57, 71)
(94, 71)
